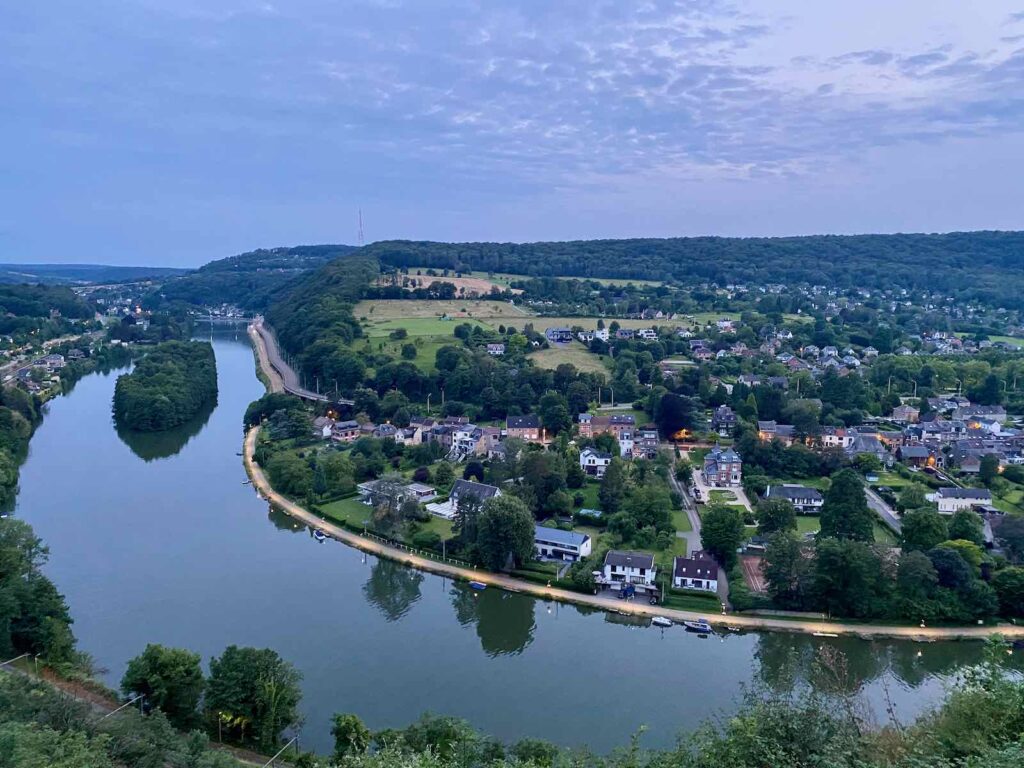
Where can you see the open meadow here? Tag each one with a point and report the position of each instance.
(574, 353)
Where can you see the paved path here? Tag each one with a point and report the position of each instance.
(739, 622)
(271, 361)
(883, 510)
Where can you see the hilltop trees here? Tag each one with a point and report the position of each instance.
(505, 532)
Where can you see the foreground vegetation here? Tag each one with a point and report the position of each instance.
(170, 385)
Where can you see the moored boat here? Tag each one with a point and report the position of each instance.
(700, 625)
(477, 585)
(319, 535)
(661, 621)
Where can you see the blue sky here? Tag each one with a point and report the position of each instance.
(178, 131)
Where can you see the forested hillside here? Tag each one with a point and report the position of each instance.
(314, 317)
(168, 386)
(63, 274)
(250, 280)
(38, 300)
(986, 265)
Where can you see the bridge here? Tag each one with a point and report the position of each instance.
(282, 374)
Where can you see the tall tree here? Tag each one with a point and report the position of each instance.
(171, 679)
(785, 569)
(505, 532)
(845, 513)
(923, 529)
(254, 693)
(775, 515)
(613, 487)
(351, 736)
(722, 532)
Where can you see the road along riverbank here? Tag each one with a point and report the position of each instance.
(500, 581)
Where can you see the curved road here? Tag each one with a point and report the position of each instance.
(280, 373)
(410, 558)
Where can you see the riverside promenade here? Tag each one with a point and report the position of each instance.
(719, 621)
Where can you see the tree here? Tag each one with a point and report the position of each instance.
(923, 529)
(351, 736)
(254, 693)
(650, 505)
(1009, 586)
(613, 487)
(848, 578)
(722, 532)
(171, 679)
(912, 496)
(408, 351)
(1011, 535)
(989, 392)
(554, 412)
(953, 571)
(916, 576)
(989, 468)
(845, 513)
(967, 524)
(505, 532)
(444, 474)
(675, 412)
(785, 569)
(969, 551)
(575, 477)
(775, 515)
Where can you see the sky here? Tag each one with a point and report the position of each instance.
(173, 132)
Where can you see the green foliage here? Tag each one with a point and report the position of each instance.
(289, 474)
(613, 487)
(505, 532)
(845, 514)
(268, 405)
(171, 679)
(722, 532)
(254, 694)
(1009, 586)
(33, 615)
(775, 515)
(351, 736)
(170, 385)
(923, 529)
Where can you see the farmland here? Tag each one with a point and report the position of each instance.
(574, 353)
(456, 309)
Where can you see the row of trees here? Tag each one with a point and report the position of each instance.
(170, 385)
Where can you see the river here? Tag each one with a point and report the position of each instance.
(155, 538)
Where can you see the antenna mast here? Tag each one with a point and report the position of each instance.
(360, 227)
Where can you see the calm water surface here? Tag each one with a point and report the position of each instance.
(155, 538)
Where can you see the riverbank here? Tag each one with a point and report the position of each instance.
(613, 605)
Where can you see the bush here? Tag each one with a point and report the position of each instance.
(426, 540)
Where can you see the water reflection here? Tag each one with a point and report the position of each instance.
(285, 522)
(392, 588)
(504, 620)
(150, 446)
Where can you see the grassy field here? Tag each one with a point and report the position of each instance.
(1005, 339)
(589, 492)
(354, 512)
(590, 323)
(457, 309)
(890, 479)
(574, 353)
(681, 521)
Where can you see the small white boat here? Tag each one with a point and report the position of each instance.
(478, 585)
(700, 625)
(661, 621)
(319, 535)
(825, 634)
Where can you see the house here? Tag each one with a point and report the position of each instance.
(554, 543)
(723, 468)
(372, 492)
(802, 498)
(594, 462)
(601, 334)
(647, 334)
(952, 500)
(697, 572)
(868, 444)
(977, 415)
(345, 431)
(558, 335)
(461, 490)
(723, 420)
(918, 455)
(625, 333)
(770, 430)
(645, 443)
(906, 413)
(76, 354)
(322, 427)
(495, 350)
(624, 567)
(524, 427)
(616, 424)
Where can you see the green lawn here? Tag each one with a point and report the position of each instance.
(884, 534)
(575, 354)
(351, 511)
(723, 497)
(589, 492)
(891, 479)
(681, 521)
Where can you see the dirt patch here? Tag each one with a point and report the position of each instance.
(752, 573)
(464, 286)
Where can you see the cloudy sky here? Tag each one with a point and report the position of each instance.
(176, 131)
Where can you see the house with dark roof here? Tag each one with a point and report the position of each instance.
(554, 543)
(460, 490)
(697, 572)
(558, 335)
(723, 469)
(951, 500)
(624, 567)
(594, 462)
(524, 427)
(771, 430)
(802, 498)
(723, 420)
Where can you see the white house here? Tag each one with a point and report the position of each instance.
(952, 500)
(462, 489)
(601, 334)
(594, 462)
(647, 334)
(561, 545)
(621, 567)
(495, 350)
(802, 498)
(697, 572)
